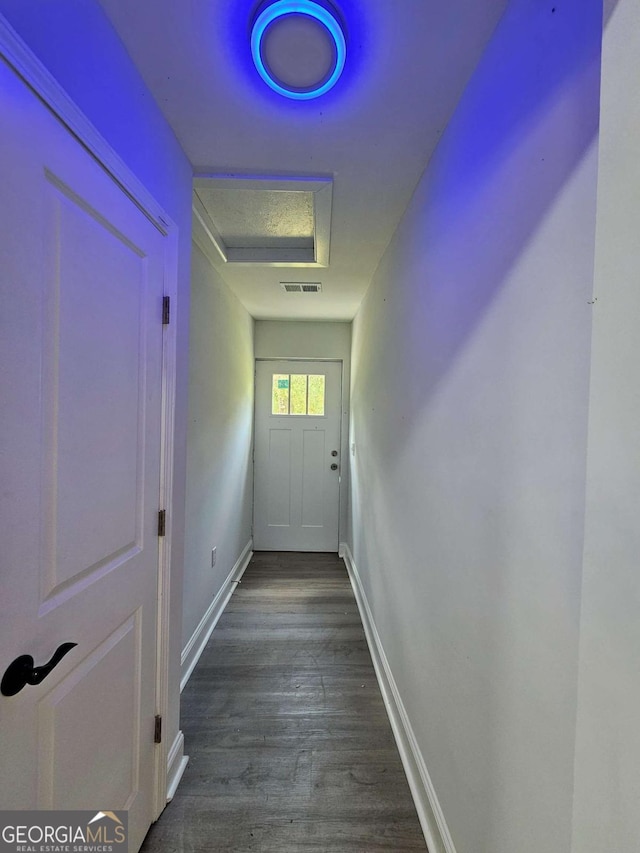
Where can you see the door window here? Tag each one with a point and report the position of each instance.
(298, 394)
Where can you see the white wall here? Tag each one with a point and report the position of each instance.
(219, 464)
(607, 778)
(76, 42)
(470, 371)
(321, 340)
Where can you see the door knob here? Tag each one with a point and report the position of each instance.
(334, 467)
(22, 671)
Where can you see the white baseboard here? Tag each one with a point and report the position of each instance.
(430, 813)
(194, 648)
(176, 764)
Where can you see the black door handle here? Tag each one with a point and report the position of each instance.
(22, 671)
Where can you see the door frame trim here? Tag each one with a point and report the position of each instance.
(21, 59)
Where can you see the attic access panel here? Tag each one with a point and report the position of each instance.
(269, 221)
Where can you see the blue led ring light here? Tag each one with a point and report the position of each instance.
(312, 10)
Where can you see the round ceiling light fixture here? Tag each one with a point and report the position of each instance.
(298, 48)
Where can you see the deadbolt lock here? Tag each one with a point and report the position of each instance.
(334, 452)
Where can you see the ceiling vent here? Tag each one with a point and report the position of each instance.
(301, 286)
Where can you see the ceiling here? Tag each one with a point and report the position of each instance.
(407, 64)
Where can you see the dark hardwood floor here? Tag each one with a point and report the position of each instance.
(290, 746)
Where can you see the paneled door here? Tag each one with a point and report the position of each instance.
(297, 455)
(82, 277)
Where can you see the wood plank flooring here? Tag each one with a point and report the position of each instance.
(289, 743)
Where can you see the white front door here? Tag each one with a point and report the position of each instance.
(297, 455)
(82, 273)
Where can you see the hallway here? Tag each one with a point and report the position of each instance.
(453, 229)
(289, 742)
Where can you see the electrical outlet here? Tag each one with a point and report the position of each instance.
(214, 557)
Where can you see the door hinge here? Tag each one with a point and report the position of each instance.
(166, 310)
(162, 522)
(157, 729)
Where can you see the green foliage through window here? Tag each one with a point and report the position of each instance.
(280, 398)
(298, 394)
(298, 399)
(316, 395)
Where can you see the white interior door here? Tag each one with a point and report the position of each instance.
(81, 353)
(297, 455)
